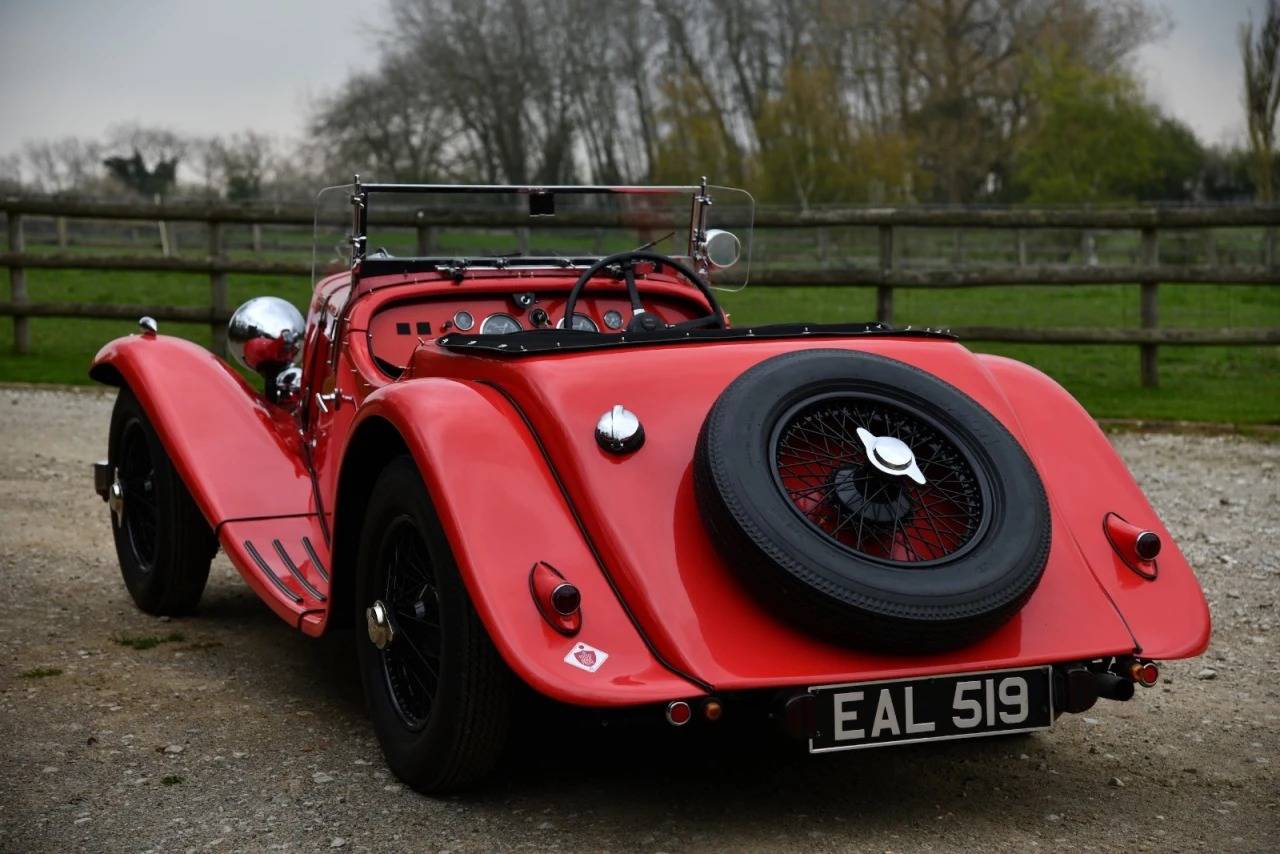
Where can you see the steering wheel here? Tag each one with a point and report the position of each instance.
(642, 320)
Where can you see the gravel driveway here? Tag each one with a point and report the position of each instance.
(236, 733)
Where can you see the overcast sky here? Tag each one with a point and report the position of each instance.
(79, 66)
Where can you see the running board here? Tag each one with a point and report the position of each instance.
(284, 559)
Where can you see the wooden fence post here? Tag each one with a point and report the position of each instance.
(256, 236)
(1022, 246)
(1089, 248)
(884, 293)
(60, 223)
(426, 237)
(18, 287)
(218, 296)
(1149, 310)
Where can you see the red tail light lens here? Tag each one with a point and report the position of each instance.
(1137, 547)
(559, 601)
(566, 599)
(1145, 674)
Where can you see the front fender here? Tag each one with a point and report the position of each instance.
(1086, 479)
(239, 457)
(502, 511)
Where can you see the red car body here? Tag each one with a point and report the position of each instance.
(506, 449)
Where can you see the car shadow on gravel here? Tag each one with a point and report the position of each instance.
(750, 764)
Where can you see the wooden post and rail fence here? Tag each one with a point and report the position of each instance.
(886, 276)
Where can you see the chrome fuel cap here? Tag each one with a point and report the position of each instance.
(619, 431)
(890, 455)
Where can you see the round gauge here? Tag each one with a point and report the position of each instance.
(499, 324)
(463, 320)
(581, 323)
(613, 319)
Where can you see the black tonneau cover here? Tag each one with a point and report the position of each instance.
(540, 341)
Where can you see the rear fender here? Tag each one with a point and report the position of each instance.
(240, 457)
(502, 511)
(1087, 479)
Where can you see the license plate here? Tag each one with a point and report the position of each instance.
(933, 708)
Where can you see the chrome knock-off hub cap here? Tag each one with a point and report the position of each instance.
(890, 455)
(115, 499)
(381, 631)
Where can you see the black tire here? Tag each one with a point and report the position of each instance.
(835, 590)
(457, 735)
(163, 542)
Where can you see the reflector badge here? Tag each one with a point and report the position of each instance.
(586, 657)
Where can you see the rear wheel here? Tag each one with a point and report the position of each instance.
(437, 690)
(163, 542)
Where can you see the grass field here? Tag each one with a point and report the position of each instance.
(1228, 384)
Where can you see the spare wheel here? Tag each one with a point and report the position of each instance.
(871, 502)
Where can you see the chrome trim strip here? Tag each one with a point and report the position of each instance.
(295, 572)
(315, 558)
(271, 576)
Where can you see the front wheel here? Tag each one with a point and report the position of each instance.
(163, 543)
(437, 690)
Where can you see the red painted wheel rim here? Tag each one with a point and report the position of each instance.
(821, 466)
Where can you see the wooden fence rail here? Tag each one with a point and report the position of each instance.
(887, 275)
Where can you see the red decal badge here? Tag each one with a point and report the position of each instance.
(586, 657)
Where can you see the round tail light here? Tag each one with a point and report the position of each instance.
(678, 713)
(566, 599)
(1145, 674)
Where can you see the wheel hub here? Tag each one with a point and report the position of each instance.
(890, 455)
(381, 630)
(115, 499)
(869, 496)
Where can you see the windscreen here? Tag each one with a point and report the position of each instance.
(331, 244)
(521, 226)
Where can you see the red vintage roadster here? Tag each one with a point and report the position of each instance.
(521, 462)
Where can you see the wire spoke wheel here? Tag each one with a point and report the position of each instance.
(138, 479)
(821, 465)
(411, 664)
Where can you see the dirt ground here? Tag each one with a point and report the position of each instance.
(239, 734)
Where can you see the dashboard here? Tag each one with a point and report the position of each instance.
(394, 331)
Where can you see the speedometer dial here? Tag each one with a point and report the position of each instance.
(499, 324)
(581, 323)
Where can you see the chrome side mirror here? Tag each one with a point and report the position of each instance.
(721, 249)
(265, 335)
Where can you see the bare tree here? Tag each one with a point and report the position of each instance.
(1261, 56)
(538, 91)
(10, 173)
(387, 124)
(63, 165)
(245, 161)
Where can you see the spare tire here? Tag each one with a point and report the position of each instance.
(871, 502)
